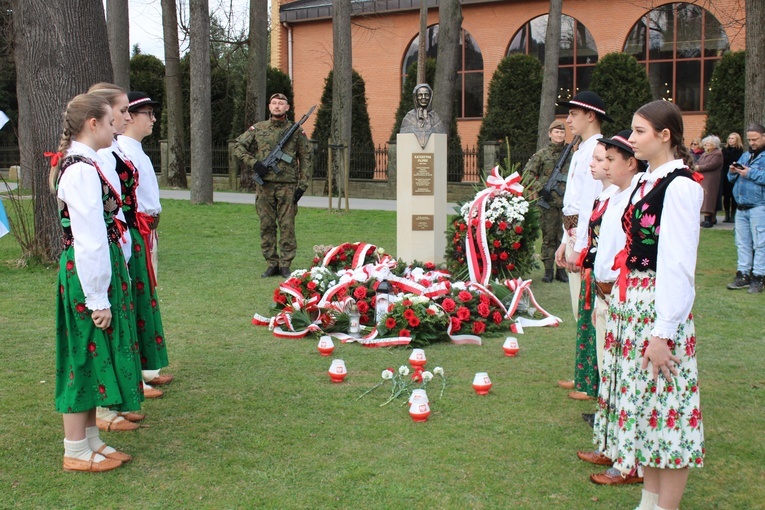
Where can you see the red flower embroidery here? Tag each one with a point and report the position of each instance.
(80, 307)
(69, 265)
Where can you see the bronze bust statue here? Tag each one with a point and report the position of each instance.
(422, 121)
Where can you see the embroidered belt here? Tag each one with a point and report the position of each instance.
(570, 222)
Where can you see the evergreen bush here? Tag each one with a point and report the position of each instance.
(725, 99)
(621, 81)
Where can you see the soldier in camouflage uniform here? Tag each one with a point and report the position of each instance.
(541, 166)
(277, 198)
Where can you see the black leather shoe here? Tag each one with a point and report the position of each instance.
(285, 272)
(271, 271)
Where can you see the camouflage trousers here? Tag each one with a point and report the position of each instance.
(552, 230)
(276, 208)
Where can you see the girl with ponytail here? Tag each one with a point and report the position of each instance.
(96, 354)
(649, 416)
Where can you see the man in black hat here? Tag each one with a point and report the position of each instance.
(586, 113)
(277, 198)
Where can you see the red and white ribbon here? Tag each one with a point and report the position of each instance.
(520, 287)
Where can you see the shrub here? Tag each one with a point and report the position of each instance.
(621, 81)
(725, 101)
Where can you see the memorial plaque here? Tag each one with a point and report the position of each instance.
(422, 174)
(422, 222)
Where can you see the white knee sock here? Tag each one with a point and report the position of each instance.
(148, 375)
(94, 440)
(80, 450)
(648, 501)
(106, 414)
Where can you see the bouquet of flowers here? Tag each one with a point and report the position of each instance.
(472, 312)
(494, 234)
(402, 383)
(415, 317)
(345, 256)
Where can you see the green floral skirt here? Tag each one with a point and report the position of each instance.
(586, 368)
(151, 336)
(96, 367)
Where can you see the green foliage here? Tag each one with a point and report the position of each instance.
(147, 74)
(623, 85)
(512, 110)
(725, 99)
(362, 145)
(276, 81)
(455, 165)
(8, 103)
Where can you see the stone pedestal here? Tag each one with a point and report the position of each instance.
(421, 198)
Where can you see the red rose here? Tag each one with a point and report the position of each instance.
(404, 333)
(463, 313)
(487, 224)
(311, 285)
(496, 243)
(414, 322)
(360, 293)
(430, 266)
(479, 327)
(483, 310)
(464, 296)
(69, 265)
(456, 324)
(493, 257)
(503, 256)
(364, 319)
(448, 305)
(409, 313)
(430, 311)
(503, 225)
(343, 256)
(390, 323)
(496, 317)
(315, 260)
(363, 307)
(516, 245)
(510, 267)
(518, 229)
(463, 227)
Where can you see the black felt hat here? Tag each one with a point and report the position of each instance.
(588, 101)
(620, 140)
(139, 99)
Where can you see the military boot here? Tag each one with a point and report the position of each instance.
(560, 275)
(548, 277)
(270, 271)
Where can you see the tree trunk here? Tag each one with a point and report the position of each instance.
(421, 52)
(754, 100)
(201, 114)
(61, 48)
(176, 134)
(118, 29)
(257, 63)
(341, 85)
(448, 59)
(550, 77)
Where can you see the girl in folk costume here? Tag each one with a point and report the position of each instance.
(97, 360)
(649, 416)
(585, 362)
(148, 322)
(143, 219)
(623, 173)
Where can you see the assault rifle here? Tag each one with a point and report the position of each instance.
(277, 153)
(553, 184)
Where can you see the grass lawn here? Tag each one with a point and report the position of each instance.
(252, 421)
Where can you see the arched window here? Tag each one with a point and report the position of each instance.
(578, 52)
(680, 44)
(469, 76)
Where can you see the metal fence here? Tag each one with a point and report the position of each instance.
(364, 164)
(9, 156)
(219, 158)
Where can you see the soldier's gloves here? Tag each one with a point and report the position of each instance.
(260, 171)
(297, 195)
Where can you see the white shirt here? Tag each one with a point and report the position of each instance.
(147, 193)
(604, 195)
(612, 238)
(677, 251)
(581, 189)
(108, 166)
(81, 189)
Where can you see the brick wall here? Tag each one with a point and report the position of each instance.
(379, 43)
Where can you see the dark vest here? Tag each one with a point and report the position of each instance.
(593, 232)
(110, 198)
(128, 174)
(641, 222)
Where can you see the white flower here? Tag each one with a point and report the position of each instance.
(299, 273)
(387, 374)
(436, 309)
(403, 370)
(427, 376)
(438, 371)
(380, 251)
